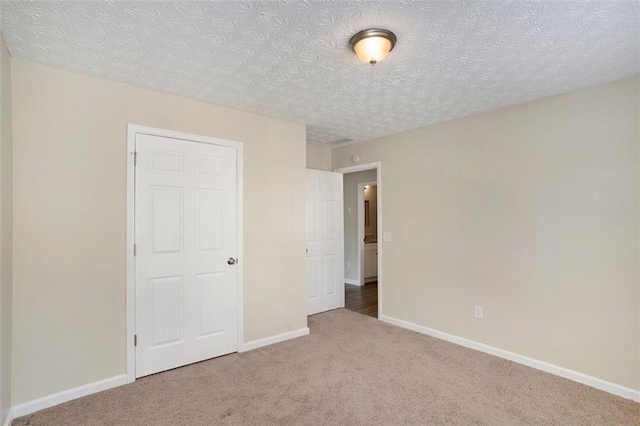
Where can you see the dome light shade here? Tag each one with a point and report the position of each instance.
(373, 45)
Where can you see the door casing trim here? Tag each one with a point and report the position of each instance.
(132, 131)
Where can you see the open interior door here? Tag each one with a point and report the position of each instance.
(325, 241)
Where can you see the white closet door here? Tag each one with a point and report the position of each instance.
(325, 241)
(185, 232)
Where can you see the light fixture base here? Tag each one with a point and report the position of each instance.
(373, 45)
(373, 32)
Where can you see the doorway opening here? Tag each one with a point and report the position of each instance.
(362, 226)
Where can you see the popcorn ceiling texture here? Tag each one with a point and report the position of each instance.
(290, 59)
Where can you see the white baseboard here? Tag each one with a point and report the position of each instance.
(274, 339)
(9, 418)
(91, 388)
(67, 395)
(594, 382)
(352, 282)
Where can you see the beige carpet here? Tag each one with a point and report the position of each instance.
(352, 369)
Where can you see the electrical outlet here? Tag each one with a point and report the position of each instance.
(348, 210)
(479, 314)
(386, 236)
(348, 264)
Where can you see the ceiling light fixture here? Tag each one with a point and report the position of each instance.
(373, 45)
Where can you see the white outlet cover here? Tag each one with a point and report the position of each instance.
(386, 236)
(479, 314)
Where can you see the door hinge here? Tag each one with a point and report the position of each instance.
(135, 158)
(135, 249)
(135, 340)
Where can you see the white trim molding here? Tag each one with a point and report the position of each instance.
(9, 418)
(352, 282)
(255, 344)
(68, 395)
(576, 376)
(131, 271)
(102, 385)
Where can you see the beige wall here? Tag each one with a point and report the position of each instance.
(6, 231)
(530, 212)
(318, 157)
(350, 185)
(70, 211)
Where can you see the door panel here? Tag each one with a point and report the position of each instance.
(211, 303)
(330, 283)
(165, 219)
(167, 303)
(325, 246)
(185, 229)
(209, 219)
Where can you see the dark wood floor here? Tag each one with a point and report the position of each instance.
(362, 299)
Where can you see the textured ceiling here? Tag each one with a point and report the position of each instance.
(290, 59)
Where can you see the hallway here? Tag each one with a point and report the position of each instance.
(362, 299)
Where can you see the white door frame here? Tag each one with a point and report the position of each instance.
(361, 235)
(132, 130)
(377, 165)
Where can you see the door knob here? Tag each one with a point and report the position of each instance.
(231, 261)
